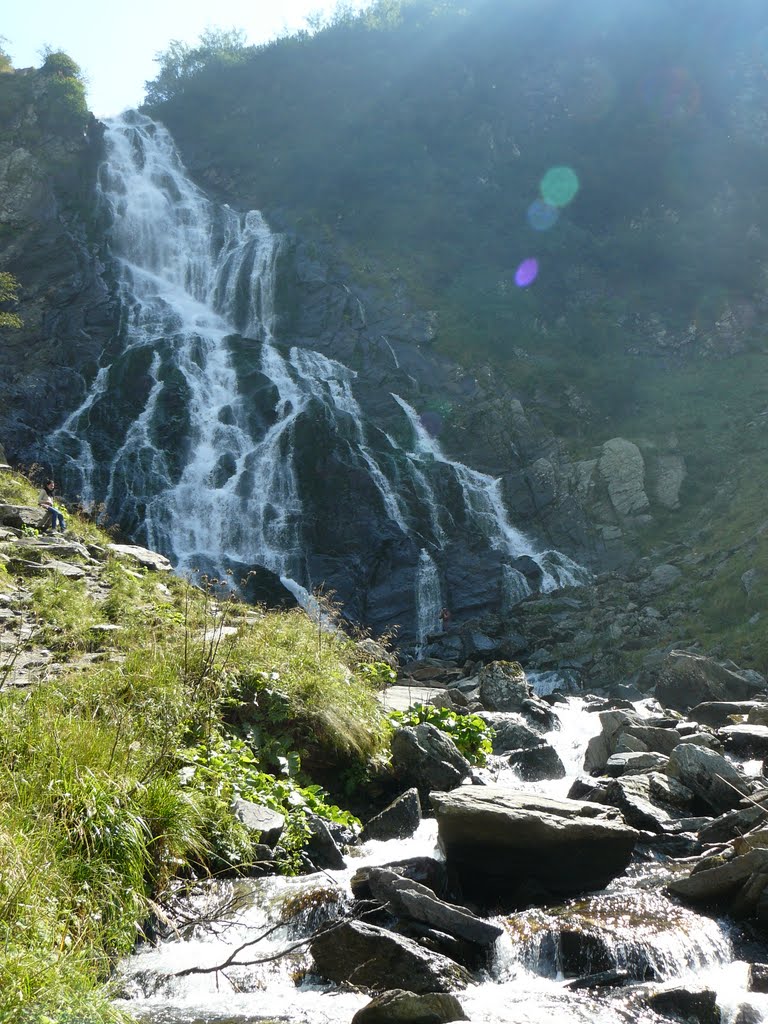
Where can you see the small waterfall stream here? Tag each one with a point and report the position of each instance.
(632, 924)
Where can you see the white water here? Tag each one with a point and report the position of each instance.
(201, 486)
(524, 983)
(429, 599)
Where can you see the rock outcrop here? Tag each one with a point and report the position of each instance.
(508, 848)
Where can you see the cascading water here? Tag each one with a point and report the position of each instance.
(197, 435)
(428, 598)
(631, 926)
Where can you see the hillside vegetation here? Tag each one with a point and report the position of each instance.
(160, 703)
(410, 142)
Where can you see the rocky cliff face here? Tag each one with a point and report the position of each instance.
(50, 241)
(55, 242)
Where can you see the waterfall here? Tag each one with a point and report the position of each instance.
(428, 598)
(188, 434)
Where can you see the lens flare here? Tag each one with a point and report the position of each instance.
(559, 185)
(527, 273)
(542, 216)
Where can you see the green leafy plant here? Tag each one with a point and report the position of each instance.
(469, 732)
(226, 767)
(379, 673)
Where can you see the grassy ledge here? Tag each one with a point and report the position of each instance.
(118, 770)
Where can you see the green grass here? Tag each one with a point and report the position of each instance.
(95, 817)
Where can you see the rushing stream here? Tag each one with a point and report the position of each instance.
(632, 923)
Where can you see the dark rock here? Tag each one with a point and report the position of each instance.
(687, 1005)
(397, 821)
(510, 733)
(719, 713)
(527, 845)
(732, 823)
(758, 978)
(535, 764)
(321, 847)
(685, 680)
(408, 899)
(400, 1007)
(745, 740)
(603, 979)
(425, 870)
(427, 758)
(371, 958)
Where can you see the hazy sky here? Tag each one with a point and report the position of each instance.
(115, 42)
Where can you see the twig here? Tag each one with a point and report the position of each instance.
(232, 962)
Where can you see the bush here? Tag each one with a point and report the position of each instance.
(469, 732)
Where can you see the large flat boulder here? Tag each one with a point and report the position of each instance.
(400, 1007)
(508, 848)
(142, 556)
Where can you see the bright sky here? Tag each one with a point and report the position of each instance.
(115, 41)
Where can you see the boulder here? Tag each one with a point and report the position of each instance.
(758, 978)
(410, 900)
(692, 1006)
(708, 775)
(400, 1007)
(507, 848)
(371, 958)
(259, 818)
(426, 870)
(142, 556)
(684, 680)
(733, 823)
(613, 724)
(642, 803)
(503, 686)
(510, 732)
(745, 740)
(19, 516)
(538, 763)
(321, 847)
(429, 759)
(622, 467)
(719, 713)
(633, 763)
(736, 885)
(397, 821)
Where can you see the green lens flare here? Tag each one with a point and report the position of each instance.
(559, 185)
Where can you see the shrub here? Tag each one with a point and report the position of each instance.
(469, 732)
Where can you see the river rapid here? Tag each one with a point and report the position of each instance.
(632, 924)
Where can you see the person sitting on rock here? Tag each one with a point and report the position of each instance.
(46, 501)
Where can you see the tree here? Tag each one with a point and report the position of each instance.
(9, 292)
(181, 63)
(6, 64)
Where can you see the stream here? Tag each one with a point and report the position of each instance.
(631, 924)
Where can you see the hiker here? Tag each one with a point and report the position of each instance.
(445, 619)
(46, 501)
